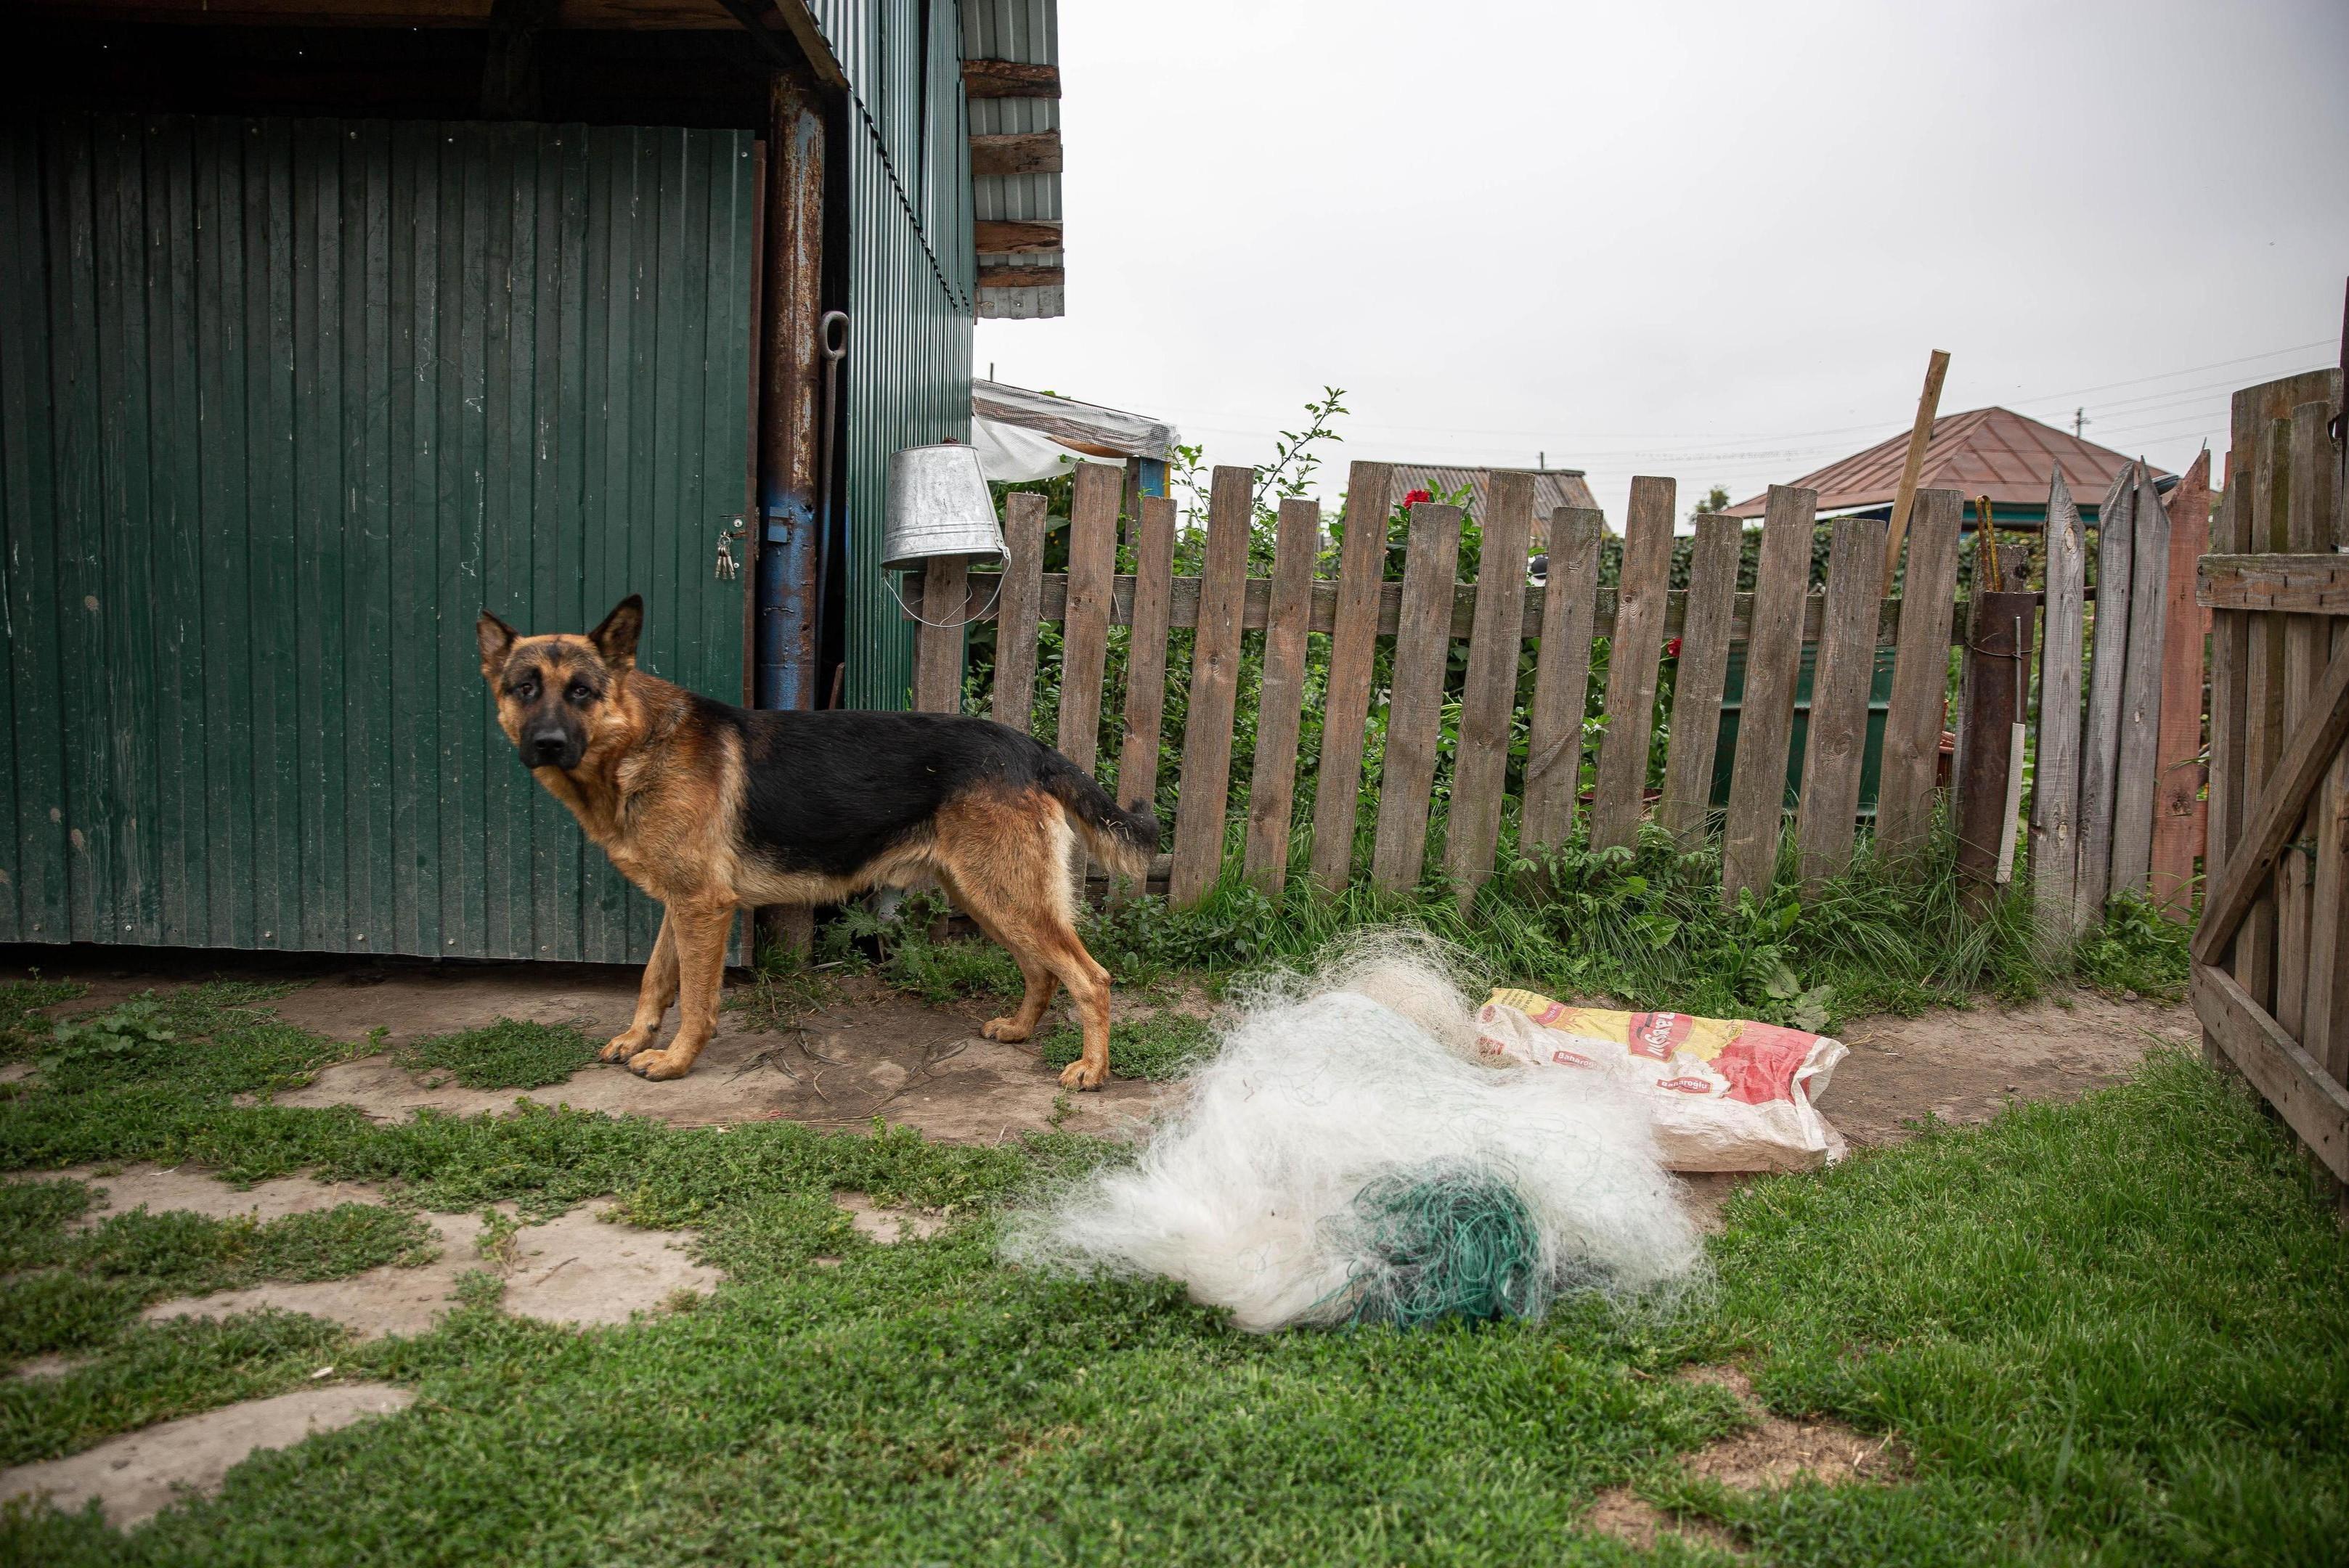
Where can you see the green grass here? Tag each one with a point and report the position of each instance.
(1164, 1046)
(23, 1024)
(2111, 1332)
(506, 1054)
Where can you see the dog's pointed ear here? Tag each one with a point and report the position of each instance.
(616, 639)
(496, 638)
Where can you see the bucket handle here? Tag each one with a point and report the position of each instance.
(887, 581)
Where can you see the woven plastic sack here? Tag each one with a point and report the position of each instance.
(1728, 1094)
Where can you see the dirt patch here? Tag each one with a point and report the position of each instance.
(135, 1476)
(1769, 1451)
(889, 1225)
(577, 1268)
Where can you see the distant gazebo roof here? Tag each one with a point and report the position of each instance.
(1995, 452)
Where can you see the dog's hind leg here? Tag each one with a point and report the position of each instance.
(653, 996)
(700, 940)
(1034, 973)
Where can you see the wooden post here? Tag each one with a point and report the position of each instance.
(1017, 616)
(1712, 606)
(1620, 795)
(1920, 675)
(1272, 790)
(1353, 647)
(1773, 662)
(2100, 736)
(1998, 639)
(2177, 752)
(1562, 678)
(1488, 700)
(1415, 708)
(1215, 687)
(2134, 783)
(1921, 434)
(1828, 807)
(2055, 782)
(941, 641)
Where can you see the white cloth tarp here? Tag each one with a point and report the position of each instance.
(1023, 434)
(1008, 453)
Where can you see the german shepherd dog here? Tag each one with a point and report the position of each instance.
(710, 807)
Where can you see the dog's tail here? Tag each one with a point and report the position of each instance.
(1120, 839)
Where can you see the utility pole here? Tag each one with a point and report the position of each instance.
(2079, 422)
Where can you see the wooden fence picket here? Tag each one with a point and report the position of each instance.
(1353, 649)
(2307, 646)
(1085, 626)
(1920, 674)
(1774, 660)
(2055, 780)
(1489, 696)
(2178, 750)
(1620, 792)
(940, 650)
(1703, 675)
(1206, 789)
(1415, 706)
(1272, 789)
(1836, 740)
(2265, 532)
(2100, 732)
(1145, 655)
(1561, 678)
(1017, 615)
(2140, 718)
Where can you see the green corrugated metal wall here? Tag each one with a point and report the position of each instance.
(282, 405)
(911, 284)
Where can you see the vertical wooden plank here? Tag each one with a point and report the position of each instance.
(1562, 676)
(1015, 619)
(2056, 781)
(1145, 657)
(1205, 789)
(1621, 790)
(2138, 774)
(2307, 645)
(1828, 809)
(1280, 708)
(938, 649)
(1773, 662)
(1085, 626)
(1712, 606)
(1353, 646)
(1921, 433)
(2177, 748)
(1415, 709)
(1488, 699)
(2230, 663)
(2100, 734)
(1920, 674)
(2264, 532)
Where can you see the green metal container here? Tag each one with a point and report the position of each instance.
(1871, 765)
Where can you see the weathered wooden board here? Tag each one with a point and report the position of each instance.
(1353, 647)
(2297, 584)
(1774, 659)
(1702, 677)
(2177, 759)
(2307, 640)
(2055, 780)
(2140, 713)
(1017, 618)
(939, 649)
(2265, 529)
(1488, 698)
(1828, 815)
(1145, 657)
(1205, 789)
(1415, 708)
(1921, 672)
(1620, 792)
(1084, 643)
(2309, 1098)
(2100, 734)
(1561, 678)
(1272, 789)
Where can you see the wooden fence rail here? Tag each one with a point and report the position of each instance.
(1323, 635)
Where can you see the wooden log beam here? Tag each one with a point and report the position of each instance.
(2311, 1101)
(1009, 237)
(1009, 79)
(2309, 584)
(1022, 277)
(1027, 152)
(2282, 802)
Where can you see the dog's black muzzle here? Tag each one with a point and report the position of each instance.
(551, 747)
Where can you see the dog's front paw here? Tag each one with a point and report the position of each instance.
(624, 1045)
(1082, 1074)
(659, 1064)
(1006, 1029)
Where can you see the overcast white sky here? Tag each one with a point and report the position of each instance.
(1710, 240)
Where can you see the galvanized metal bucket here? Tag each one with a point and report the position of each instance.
(938, 505)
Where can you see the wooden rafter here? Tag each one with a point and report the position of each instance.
(1009, 79)
(1029, 152)
(1004, 236)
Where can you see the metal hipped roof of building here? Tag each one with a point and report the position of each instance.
(1553, 488)
(1995, 452)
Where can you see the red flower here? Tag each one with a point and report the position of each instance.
(1416, 497)
(1673, 649)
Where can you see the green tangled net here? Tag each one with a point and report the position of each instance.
(1442, 1241)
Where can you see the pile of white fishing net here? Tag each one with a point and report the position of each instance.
(1348, 1155)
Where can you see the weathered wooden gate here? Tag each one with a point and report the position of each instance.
(2272, 955)
(282, 405)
